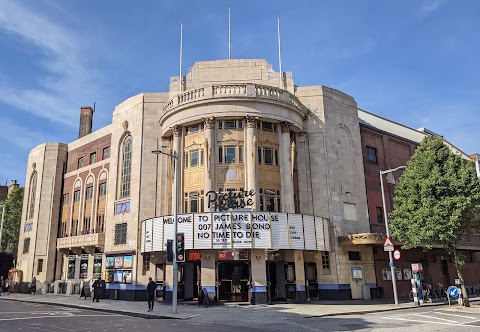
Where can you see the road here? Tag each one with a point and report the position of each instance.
(21, 316)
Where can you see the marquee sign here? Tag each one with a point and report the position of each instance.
(239, 230)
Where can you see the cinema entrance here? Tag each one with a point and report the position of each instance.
(233, 275)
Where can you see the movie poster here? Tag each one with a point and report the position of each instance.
(127, 277)
(118, 262)
(127, 262)
(110, 262)
(117, 276)
(108, 276)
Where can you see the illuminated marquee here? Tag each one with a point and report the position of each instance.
(239, 230)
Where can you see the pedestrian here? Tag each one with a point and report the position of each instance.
(6, 287)
(96, 289)
(151, 287)
(33, 286)
(2, 285)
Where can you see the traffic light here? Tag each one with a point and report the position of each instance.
(169, 250)
(180, 252)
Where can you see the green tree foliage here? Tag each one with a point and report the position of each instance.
(13, 217)
(437, 201)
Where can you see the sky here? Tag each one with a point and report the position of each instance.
(412, 61)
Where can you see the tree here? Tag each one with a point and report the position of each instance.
(437, 202)
(13, 217)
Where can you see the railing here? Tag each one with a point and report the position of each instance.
(233, 90)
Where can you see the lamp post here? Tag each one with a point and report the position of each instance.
(1, 226)
(174, 156)
(392, 267)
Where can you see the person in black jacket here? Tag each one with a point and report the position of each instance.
(96, 289)
(151, 287)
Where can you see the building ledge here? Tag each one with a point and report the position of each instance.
(87, 242)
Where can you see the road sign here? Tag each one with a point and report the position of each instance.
(397, 254)
(452, 291)
(388, 242)
(417, 267)
(388, 248)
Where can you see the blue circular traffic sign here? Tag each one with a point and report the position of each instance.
(452, 291)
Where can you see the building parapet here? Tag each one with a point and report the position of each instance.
(82, 241)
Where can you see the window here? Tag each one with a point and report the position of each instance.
(106, 152)
(63, 229)
(240, 154)
(74, 227)
(276, 158)
(194, 158)
(372, 155)
(230, 124)
(121, 233)
(270, 200)
(76, 196)
(80, 163)
(26, 245)
(33, 190)
(89, 193)
(379, 214)
(267, 156)
(126, 167)
(102, 189)
(66, 198)
(39, 266)
(195, 128)
(259, 154)
(86, 225)
(326, 261)
(101, 223)
(93, 158)
(227, 154)
(267, 126)
(146, 263)
(193, 202)
(354, 256)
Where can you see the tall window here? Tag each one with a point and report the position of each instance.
(101, 223)
(93, 158)
(80, 163)
(102, 189)
(193, 201)
(372, 155)
(76, 196)
(40, 266)
(126, 167)
(379, 214)
(106, 153)
(33, 190)
(146, 263)
(89, 193)
(228, 155)
(26, 245)
(121, 233)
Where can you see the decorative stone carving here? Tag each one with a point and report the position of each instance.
(251, 121)
(177, 130)
(125, 125)
(285, 127)
(209, 122)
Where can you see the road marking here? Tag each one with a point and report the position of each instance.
(63, 316)
(426, 316)
(425, 322)
(444, 313)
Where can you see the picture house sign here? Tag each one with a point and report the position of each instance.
(231, 200)
(239, 230)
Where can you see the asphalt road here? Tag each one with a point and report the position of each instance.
(21, 316)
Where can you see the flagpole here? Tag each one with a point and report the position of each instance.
(280, 55)
(181, 50)
(229, 36)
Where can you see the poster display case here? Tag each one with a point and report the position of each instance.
(118, 269)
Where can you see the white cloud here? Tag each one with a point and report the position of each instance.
(431, 6)
(20, 136)
(61, 51)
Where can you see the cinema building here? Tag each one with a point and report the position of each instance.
(270, 176)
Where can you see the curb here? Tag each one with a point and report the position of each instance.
(111, 311)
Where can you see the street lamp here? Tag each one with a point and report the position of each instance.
(1, 226)
(392, 267)
(174, 156)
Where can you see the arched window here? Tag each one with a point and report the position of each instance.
(126, 167)
(33, 190)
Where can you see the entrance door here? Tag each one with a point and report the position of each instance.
(233, 279)
(281, 284)
(190, 279)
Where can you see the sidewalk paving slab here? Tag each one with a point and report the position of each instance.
(189, 310)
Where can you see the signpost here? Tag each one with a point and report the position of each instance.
(452, 291)
(388, 244)
(397, 255)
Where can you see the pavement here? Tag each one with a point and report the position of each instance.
(187, 310)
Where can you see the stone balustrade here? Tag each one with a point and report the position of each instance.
(87, 240)
(235, 90)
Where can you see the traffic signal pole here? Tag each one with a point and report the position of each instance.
(175, 222)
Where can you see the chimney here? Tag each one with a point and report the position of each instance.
(86, 116)
(13, 185)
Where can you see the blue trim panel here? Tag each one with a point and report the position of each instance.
(259, 289)
(333, 286)
(371, 285)
(210, 289)
(126, 287)
(169, 288)
(300, 288)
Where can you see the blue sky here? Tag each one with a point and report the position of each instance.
(413, 61)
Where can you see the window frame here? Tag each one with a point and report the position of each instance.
(126, 167)
(102, 189)
(93, 158)
(26, 246)
(120, 236)
(80, 162)
(379, 211)
(89, 193)
(369, 150)
(39, 266)
(76, 196)
(106, 153)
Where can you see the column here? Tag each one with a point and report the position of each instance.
(251, 160)
(178, 149)
(208, 279)
(286, 177)
(258, 287)
(168, 283)
(209, 151)
(300, 276)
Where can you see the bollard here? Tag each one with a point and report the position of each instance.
(415, 292)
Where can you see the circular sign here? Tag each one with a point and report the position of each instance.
(231, 175)
(397, 254)
(452, 291)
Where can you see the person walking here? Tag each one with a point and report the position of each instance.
(151, 287)
(33, 286)
(6, 286)
(2, 285)
(96, 289)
